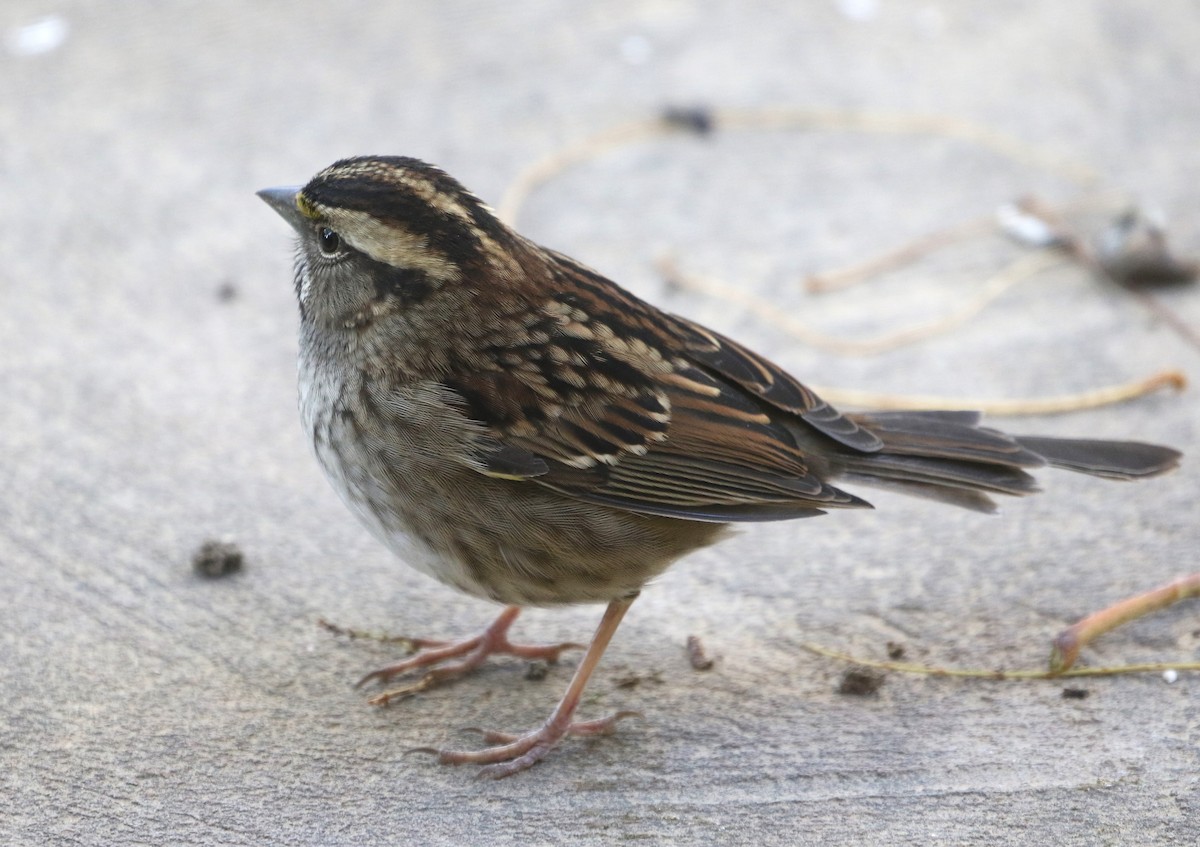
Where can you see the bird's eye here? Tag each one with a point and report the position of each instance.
(329, 241)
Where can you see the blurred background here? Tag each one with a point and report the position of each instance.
(147, 360)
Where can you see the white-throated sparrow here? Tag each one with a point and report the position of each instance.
(519, 427)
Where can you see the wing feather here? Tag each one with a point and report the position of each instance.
(582, 397)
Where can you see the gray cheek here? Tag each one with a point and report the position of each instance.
(335, 294)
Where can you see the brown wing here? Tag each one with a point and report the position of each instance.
(601, 397)
(724, 459)
(770, 383)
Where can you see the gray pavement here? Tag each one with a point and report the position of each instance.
(147, 372)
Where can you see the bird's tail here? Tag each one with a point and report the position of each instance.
(947, 456)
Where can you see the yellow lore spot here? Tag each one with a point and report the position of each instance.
(306, 208)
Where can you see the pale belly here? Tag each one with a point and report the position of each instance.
(510, 541)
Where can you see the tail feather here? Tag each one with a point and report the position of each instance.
(947, 456)
(1109, 459)
(965, 498)
(990, 475)
(947, 435)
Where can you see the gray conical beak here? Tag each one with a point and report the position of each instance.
(283, 201)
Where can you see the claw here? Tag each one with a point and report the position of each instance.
(602, 726)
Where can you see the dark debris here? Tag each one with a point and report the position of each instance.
(633, 680)
(694, 119)
(698, 659)
(216, 559)
(1133, 252)
(860, 682)
(536, 670)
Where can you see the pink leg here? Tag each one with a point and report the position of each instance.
(514, 753)
(475, 650)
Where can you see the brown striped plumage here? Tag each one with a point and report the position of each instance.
(518, 426)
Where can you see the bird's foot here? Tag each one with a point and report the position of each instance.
(512, 753)
(473, 652)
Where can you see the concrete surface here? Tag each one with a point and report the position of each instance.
(147, 343)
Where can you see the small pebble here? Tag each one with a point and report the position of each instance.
(216, 559)
(696, 655)
(860, 682)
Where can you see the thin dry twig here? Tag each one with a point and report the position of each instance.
(1068, 643)
(410, 644)
(1026, 208)
(550, 166)
(883, 123)
(1059, 404)
(1022, 269)
(905, 254)
(704, 121)
(1181, 328)
(999, 674)
(768, 311)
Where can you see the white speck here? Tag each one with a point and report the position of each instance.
(42, 36)
(858, 10)
(636, 49)
(1170, 675)
(1024, 227)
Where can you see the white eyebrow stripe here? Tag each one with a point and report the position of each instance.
(390, 244)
